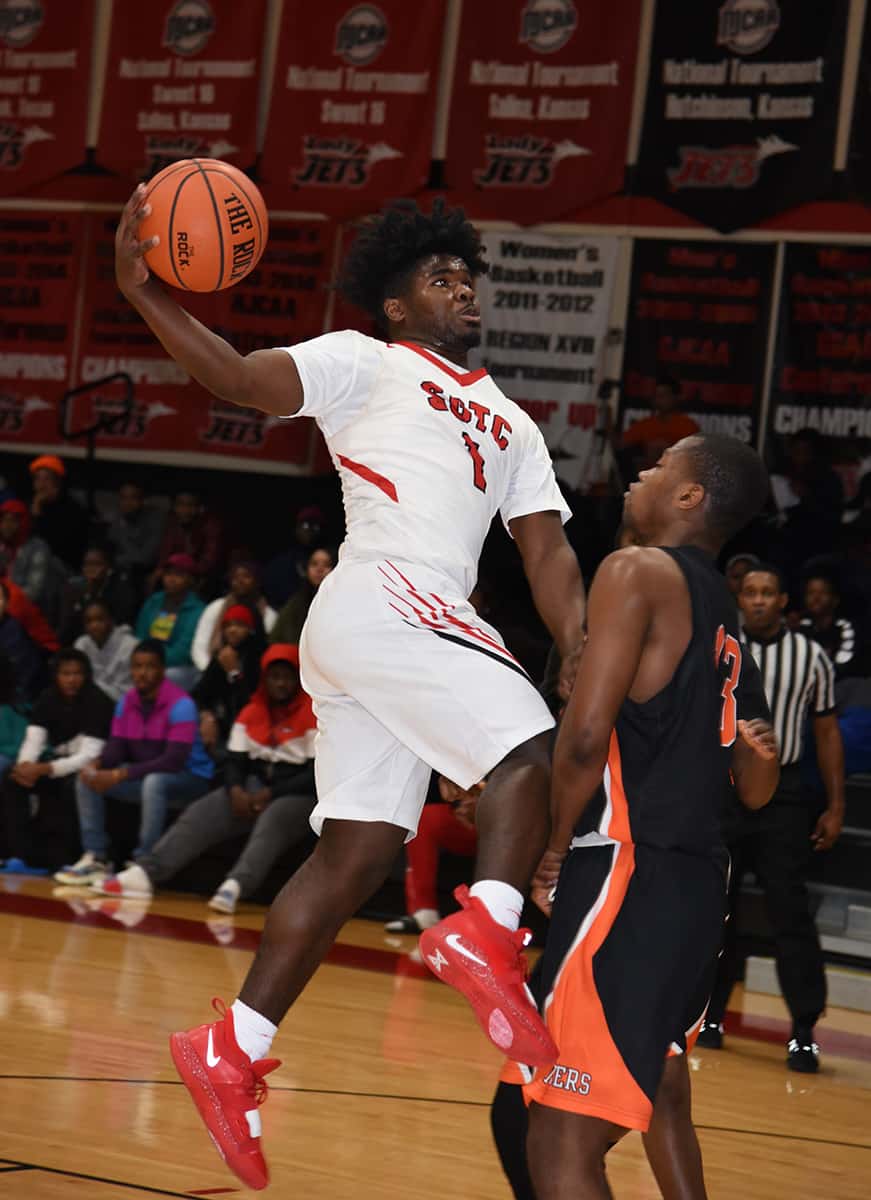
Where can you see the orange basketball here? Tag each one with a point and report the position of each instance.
(211, 221)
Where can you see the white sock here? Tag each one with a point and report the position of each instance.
(231, 885)
(426, 917)
(254, 1033)
(503, 902)
(134, 879)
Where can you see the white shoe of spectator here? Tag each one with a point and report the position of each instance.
(84, 872)
(132, 882)
(226, 897)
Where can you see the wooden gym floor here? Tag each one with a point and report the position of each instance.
(386, 1080)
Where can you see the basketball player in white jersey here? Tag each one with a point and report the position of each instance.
(404, 675)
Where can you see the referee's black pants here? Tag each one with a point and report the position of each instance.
(774, 842)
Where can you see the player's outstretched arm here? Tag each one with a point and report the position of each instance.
(619, 615)
(551, 566)
(266, 379)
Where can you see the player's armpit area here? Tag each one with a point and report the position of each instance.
(269, 381)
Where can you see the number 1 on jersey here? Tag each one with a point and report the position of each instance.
(478, 463)
(728, 651)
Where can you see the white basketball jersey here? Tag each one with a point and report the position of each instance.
(427, 453)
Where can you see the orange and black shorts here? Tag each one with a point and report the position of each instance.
(626, 975)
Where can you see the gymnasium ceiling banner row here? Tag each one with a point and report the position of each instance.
(742, 107)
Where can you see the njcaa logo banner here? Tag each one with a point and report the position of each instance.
(741, 110)
(540, 106)
(353, 104)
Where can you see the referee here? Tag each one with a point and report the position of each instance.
(776, 840)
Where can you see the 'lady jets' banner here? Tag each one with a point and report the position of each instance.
(540, 106)
(698, 314)
(544, 317)
(181, 82)
(45, 62)
(822, 375)
(742, 106)
(353, 104)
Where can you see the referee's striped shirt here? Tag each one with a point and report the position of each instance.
(798, 679)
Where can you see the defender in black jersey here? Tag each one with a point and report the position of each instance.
(637, 919)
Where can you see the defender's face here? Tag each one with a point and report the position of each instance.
(646, 504)
(440, 302)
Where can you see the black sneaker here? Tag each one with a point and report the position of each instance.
(710, 1036)
(803, 1056)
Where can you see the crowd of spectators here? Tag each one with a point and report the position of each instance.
(142, 668)
(157, 615)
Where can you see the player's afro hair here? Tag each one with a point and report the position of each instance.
(389, 247)
(734, 478)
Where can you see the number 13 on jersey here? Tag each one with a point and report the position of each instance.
(727, 651)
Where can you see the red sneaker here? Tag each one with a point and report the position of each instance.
(227, 1088)
(485, 961)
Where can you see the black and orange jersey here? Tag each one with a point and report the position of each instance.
(666, 783)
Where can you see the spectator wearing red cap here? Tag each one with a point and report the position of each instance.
(57, 518)
(192, 531)
(231, 675)
(244, 589)
(170, 616)
(28, 561)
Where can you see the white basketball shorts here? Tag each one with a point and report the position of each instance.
(405, 678)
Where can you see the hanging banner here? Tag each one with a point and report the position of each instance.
(173, 419)
(822, 374)
(540, 106)
(45, 62)
(40, 268)
(859, 162)
(181, 82)
(698, 315)
(353, 104)
(544, 317)
(742, 107)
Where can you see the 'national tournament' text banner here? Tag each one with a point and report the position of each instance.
(540, 106)
(742, 107)
(181, 82)
(545, 307)
(353, 104)
(822, 373)
(45, 66)
(698, 315)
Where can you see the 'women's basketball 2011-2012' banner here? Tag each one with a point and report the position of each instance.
(540, 106)
(742, 107)
(698, 315)
(545, 308)
(182, 81)
(44, 71)
(822, 371)
(353, 104)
